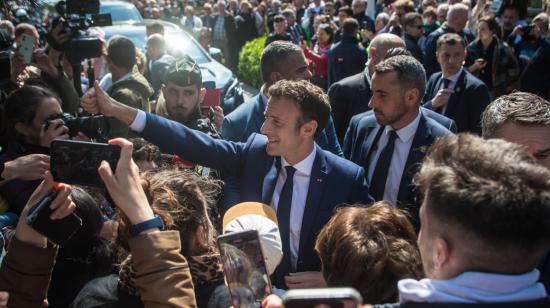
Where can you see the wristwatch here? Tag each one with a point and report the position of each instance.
(156, 222)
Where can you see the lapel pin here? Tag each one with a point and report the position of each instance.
(319, 180)
(423, 149)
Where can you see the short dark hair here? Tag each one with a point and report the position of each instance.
(520, 107)
(410, 73)
(397, 51)
(156, 27)
(350, 26)
(346, 9)
(274, 55)
(310, 99)
(492, 194)
(450, 39)
(410, 18)
(122, 52)
(369, 249)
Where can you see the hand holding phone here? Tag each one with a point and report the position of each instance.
(59, 207)
(27, 47)
(77, 162)
(124, 186)
(244, 268)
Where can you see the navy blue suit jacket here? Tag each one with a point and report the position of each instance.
(361, 143)
(334, 180)
(441, 119)
(466, 104)
(249, 117)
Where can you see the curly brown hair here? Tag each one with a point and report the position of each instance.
(369, 249)
(182, 199)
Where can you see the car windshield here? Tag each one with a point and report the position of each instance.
(122, 13)
(178, 43)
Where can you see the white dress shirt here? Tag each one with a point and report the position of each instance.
(107, 81)
(452, 84)
(300, 189)
(403, 144)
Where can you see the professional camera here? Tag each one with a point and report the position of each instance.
(96, 127)
(78, 16)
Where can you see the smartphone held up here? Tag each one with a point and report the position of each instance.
(244, 268)
(77, 162)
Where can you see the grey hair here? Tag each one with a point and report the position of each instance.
(410, 72)
(457, 10)
(519, 107)
(383, 17)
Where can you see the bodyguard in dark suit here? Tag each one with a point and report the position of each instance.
(347, 57)
(351, 95)
(455, 92)
(280, 60)
(391, 142)
(414, 30)
(457, 17)
(284, 168)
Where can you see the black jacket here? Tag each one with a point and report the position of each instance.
(348, 97)
(412, 45)
(345, 58)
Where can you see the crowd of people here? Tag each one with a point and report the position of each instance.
(400, 148)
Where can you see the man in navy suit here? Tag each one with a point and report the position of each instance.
(296, 112)
(391, 142)
(454, 92)
(351, 95)
(280, 60)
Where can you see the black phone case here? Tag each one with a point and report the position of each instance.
(76, 162)
(58, 231)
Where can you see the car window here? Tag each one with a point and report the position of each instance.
(123, 13)
(178, 42)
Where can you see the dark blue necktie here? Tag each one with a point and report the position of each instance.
(446, 84)
(283, 217)
(380, 174)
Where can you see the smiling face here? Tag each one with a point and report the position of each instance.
(282, 128)
(181, 102)
(451, 58)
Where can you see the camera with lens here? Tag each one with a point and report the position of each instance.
(78, 16)
(95, 127)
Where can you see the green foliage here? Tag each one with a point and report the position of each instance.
(249, 62)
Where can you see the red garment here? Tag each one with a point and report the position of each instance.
(319, 61)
